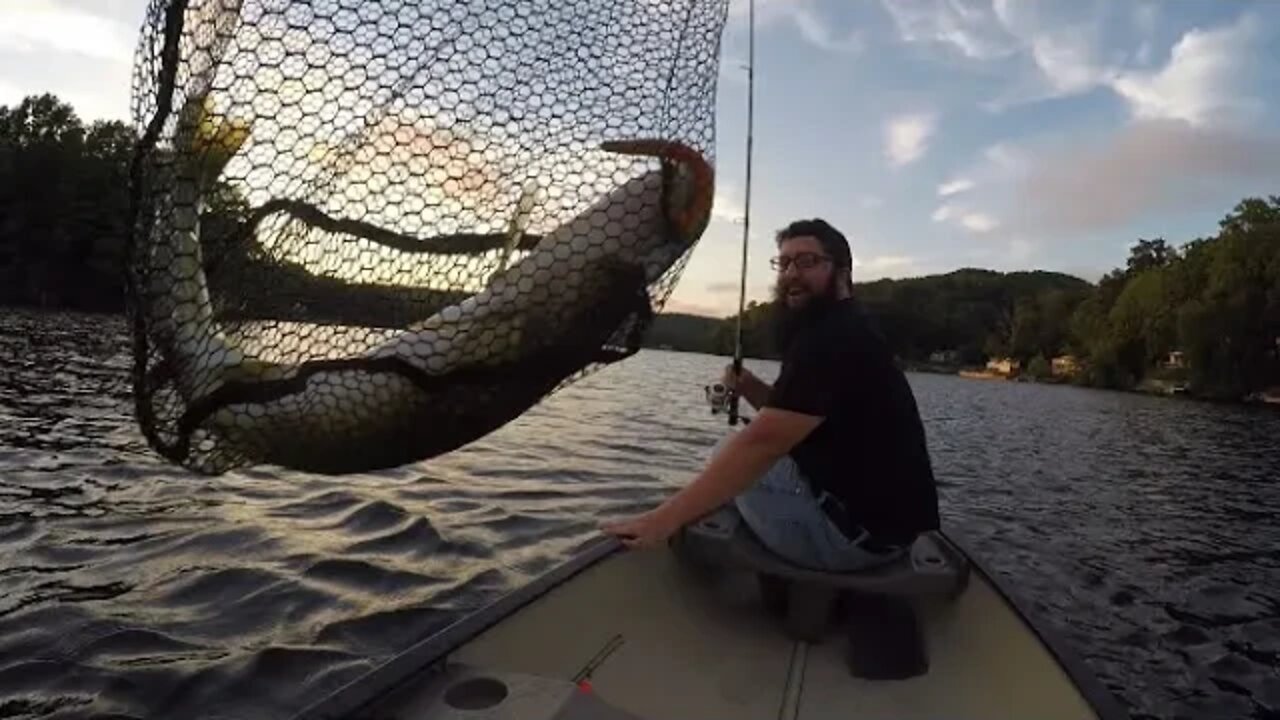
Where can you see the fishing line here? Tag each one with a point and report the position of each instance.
(746, 209)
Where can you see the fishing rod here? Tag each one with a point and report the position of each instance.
(746, 206)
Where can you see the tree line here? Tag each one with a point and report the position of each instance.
(968, 313)
(63, 206)
(1213, 303)
(1215, 300)
(64, 212)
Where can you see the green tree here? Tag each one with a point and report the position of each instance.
(1024, 339)
(1039, 368)
(42, 158)
(1149, 254)
(64, 201)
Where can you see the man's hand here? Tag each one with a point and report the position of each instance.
(731, 379)
(747, 385)
(648, 530)
(745, 457)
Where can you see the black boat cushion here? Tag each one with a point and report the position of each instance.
(930, 567)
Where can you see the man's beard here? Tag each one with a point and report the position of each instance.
(788, 321)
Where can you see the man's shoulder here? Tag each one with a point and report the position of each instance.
(848, 322)
(846, 326)
(841, 336)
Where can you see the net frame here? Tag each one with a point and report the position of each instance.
(324, 192)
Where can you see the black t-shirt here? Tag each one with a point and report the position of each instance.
(870, 452)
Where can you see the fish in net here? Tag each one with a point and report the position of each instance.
(368, 232)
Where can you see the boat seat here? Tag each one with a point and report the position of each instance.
(806, 599)
(931, 566)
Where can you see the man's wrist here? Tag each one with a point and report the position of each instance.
(667, 515)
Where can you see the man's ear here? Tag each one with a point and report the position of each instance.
(846, 278)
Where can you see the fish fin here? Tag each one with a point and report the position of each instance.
(515, 229)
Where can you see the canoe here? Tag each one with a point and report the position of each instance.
(715, 626)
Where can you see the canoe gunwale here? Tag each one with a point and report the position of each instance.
(1098, 697)
(408, 664)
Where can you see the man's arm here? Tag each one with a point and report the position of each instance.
(801, 399)
(740, 462)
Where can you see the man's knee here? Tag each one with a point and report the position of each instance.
(782, 477)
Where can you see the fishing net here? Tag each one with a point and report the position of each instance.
(367, 232)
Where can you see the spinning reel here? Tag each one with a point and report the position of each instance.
(721, 398)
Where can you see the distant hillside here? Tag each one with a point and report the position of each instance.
(679, 331)
(969, 310)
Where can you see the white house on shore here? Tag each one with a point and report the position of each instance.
(1004, 366)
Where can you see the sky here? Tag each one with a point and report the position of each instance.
(936, 134)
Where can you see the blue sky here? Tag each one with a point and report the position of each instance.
(1007, 134)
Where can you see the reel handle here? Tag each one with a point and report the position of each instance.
(724, 400)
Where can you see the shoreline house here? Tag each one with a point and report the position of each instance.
(1004, 366)
(944, 357)
(1175, 360)
(1065, 366)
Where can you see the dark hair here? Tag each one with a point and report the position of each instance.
(831, 239)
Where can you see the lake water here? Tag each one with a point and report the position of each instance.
(1145, 528)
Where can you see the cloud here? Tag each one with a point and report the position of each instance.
(953, 187)
(719, 288)
(678, 305)
(1067, 61)
(1020, 250)
(1106, 180)
(10, 93)
(1204, 80)
(974, 221)
(1145, 16)
(815, 29)
(38, 26)
(887, 262)
(979, 222)
(907, 137)
(1211, 75)
(1149, 165)
(1143, 54)
(884, 266)
(1003, 157)
(728, 206)
(79, 50)
(96, 90)
(812, 25)
(1062, 42)
(969, 27)
(870, 202)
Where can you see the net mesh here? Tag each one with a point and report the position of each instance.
(367, 232)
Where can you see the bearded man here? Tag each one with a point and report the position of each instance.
(833, 473)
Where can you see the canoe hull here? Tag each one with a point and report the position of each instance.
(661, 637)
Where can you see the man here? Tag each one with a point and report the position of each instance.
(833, 472)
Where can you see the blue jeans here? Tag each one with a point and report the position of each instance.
(784, 514)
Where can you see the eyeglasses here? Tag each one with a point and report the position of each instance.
(802, 261)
